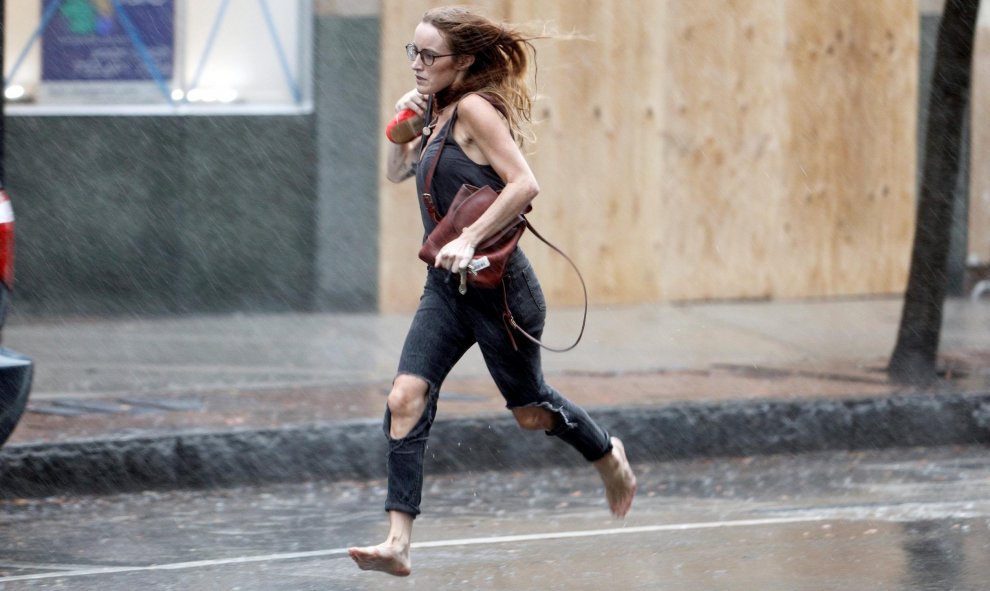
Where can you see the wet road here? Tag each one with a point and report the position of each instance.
(904, 520)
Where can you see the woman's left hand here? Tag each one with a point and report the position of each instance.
(456, 255)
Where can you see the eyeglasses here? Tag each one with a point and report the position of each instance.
(426, 55)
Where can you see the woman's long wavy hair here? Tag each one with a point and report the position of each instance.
(501, 59)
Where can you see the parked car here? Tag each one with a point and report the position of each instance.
(16, 370)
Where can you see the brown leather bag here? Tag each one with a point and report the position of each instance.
(492, 255)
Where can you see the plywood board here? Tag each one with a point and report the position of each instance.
(979, 187)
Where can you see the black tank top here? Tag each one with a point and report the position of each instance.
(453, 170)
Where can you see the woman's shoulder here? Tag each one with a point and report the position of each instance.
(479, 108)
(480, 103)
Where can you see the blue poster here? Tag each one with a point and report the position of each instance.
(90, 40)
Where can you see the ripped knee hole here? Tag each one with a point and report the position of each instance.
(536, 418)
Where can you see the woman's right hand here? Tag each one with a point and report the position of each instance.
(402, 157)
(412, 100)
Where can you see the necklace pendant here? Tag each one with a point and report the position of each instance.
(427, 130)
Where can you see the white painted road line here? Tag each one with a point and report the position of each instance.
(84, 572)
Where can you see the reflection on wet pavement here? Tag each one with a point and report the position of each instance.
(898, 520)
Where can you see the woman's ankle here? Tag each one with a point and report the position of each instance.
(400, 529)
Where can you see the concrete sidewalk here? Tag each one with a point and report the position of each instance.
(125, 404)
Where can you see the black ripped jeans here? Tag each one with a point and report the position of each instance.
(445, 326)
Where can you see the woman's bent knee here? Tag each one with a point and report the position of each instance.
(407, 399)
(535, 418)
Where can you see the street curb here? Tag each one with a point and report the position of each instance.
(356, 449)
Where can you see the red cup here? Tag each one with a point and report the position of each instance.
(406, 126)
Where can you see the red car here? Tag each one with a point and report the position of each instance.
(16, 370)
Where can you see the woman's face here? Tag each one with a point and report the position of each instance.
(444, 71)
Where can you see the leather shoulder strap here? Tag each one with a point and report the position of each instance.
(428, 181)
(511, 322)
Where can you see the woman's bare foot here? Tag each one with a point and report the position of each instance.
(391, 556)
(387, 557)
(620, 482)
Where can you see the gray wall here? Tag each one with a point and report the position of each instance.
(347, 65)
(158, 215)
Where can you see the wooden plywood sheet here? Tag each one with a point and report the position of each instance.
(979, 188)
(851, 119)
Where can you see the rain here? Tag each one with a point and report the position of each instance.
(779, 211)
